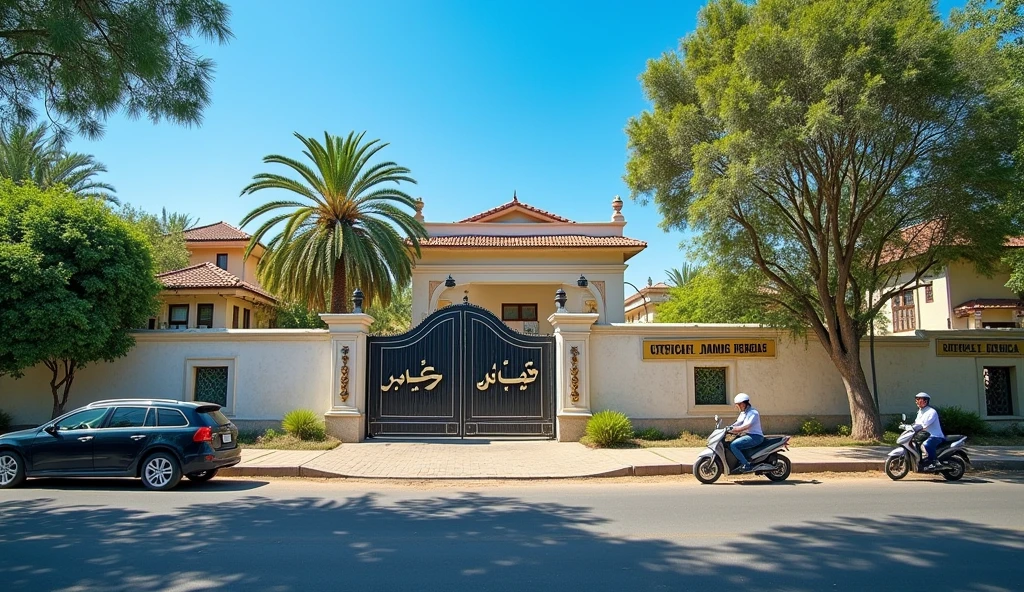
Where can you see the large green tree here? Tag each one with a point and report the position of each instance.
(33, 155)
(75, 280)
(165, 234)
(713, 295)
(803, 138)
(83, 60)
(349, 230)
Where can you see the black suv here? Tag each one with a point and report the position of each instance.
(158, 440)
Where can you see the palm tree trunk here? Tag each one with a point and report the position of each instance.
(339, 287)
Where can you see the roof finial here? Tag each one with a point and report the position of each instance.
(617, 207)
(514, 196)
(419, 209)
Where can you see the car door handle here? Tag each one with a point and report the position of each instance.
(85, 438)
(138, 437)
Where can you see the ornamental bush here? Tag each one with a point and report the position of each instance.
(305, 424)
(652, 434)
(609, 427)
(955, 420)
(812, 427)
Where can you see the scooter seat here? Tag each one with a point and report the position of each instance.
(951, 439)
(768, 441)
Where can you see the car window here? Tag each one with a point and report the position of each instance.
(128, 417)
(215, 418)
(169, 418)
(83, 420)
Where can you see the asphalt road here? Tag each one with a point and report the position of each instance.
(815, 532)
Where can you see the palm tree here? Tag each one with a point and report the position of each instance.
(345, 231)
(29, 155)
(682, 276)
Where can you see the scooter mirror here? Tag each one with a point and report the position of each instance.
(716, 418)
(904, 417)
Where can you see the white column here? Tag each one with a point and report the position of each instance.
(346, 411)
(572, 352)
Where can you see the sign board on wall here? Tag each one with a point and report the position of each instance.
(974, 347)
(688, 349)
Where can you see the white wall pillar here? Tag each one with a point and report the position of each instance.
(572, 352)
(346, 412)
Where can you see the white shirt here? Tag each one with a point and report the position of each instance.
(928, 419)
(751, 418)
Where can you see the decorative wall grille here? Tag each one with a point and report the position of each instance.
(212, 385)
(998, 396)
(709, 386)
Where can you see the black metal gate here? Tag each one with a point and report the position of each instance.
(462, 372)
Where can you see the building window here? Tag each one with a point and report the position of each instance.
(245, 318)
(204, 316)
(998, 390)
(519, 312)
(211, 385)
(234, 317)
(178, 316)
(222, 261)
(929, 295)
(904, 317)
(709, 386)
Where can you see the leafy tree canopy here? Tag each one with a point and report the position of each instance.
(164, 233)
(87, 59)
(75, 280)
(800, 138)
(713, 295)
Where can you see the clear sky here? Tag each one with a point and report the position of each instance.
(477, 98)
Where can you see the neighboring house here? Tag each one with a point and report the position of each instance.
(641, 306)
(956, 296)
(219, 288)
(512, 259)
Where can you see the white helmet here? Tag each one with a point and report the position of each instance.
(741, 398)
(923, 396)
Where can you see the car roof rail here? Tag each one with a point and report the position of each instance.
(137, 401)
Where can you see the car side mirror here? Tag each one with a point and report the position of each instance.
(50, 429)
(904, 417)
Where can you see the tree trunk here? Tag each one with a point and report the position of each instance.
(339, 288)
(60, 388)
(866, 422)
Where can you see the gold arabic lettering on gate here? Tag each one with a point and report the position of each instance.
(527, 376)
(427, 374)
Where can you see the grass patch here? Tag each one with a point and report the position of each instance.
(272, 440)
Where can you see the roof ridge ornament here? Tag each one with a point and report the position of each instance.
(514, 196)
(617, 207)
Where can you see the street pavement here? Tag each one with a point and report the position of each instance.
(536, 459)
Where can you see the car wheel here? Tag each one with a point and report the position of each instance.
(202, 476)
(160, 472)
(12, 469)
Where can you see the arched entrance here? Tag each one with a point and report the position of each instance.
(461, 372)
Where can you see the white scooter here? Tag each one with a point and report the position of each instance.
(764, 458)
(951, 456)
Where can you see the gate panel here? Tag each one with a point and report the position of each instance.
(462, 372)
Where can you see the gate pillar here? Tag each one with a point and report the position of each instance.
(572, 354)
(345, 415)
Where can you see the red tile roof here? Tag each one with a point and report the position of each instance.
(221, 231)
(206, 275)
(515, 203)
(532, 242)
(965, 309)
(917, 239)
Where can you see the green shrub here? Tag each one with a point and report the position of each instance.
(271, 433)
(843, 430)
(1014, 430)
(812, 427)
(889, 437)
(5, 421)
(955, 420)
(893, 425)
(609, 427)
(304, 424)
(651, 434)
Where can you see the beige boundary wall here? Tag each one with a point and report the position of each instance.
(600, 367)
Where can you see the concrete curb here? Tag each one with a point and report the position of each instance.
(630, 471)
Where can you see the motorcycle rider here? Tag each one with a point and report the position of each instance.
(928, 420)
(749, 424)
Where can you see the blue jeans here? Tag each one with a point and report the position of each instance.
(931, 444)
(743, 443)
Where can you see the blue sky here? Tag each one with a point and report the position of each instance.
(478, 99)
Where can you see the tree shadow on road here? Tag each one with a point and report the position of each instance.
(474, 541)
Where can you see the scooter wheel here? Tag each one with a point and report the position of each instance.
(707, 469)
(781, 470)
(897, 467)
(957, 468)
